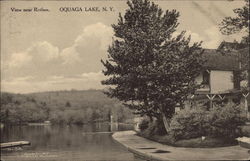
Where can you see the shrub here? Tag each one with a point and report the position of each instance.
(143, 125)
(245, 130)
(189, 123)
(226, 121)
(155, 127)
(220, 121)
(149, 131)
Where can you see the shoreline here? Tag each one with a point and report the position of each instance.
(150, 150)
(46, 124)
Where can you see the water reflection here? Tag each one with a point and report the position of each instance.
(65, 142)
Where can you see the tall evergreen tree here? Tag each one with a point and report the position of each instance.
(240, 22)
(150, 70)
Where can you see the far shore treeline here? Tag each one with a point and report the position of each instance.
(62, 107)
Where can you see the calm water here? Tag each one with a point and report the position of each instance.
(71, 143)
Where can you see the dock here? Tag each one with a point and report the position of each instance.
(14, 144)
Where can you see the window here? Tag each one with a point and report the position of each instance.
(206, 78)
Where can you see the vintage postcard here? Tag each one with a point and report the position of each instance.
(125, 80)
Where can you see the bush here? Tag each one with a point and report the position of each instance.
(245, 130)
(143, 125)
(155, 127)
(222, 121)
(189, 123)
(226, 121)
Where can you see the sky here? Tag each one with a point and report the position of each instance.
(57, 50)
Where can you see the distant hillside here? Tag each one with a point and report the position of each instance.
(74, 97)
(69, 107)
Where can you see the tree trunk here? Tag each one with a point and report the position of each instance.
(166, 122)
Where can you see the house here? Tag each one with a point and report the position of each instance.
(220, 78)
(220, 72)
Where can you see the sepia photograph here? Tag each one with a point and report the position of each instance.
(124, 80)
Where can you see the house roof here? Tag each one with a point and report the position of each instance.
(216, 60)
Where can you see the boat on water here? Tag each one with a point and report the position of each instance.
(14, 144)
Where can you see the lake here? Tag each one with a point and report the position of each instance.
(71, 143)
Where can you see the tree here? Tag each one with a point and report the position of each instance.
(231, 25)
(150, 70)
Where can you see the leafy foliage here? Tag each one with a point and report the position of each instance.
(143, 125)
(61, 107)
(220, 121)
(226, 121)
(150, 70)
(155, 127)
(189, 123)
(231, 25)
